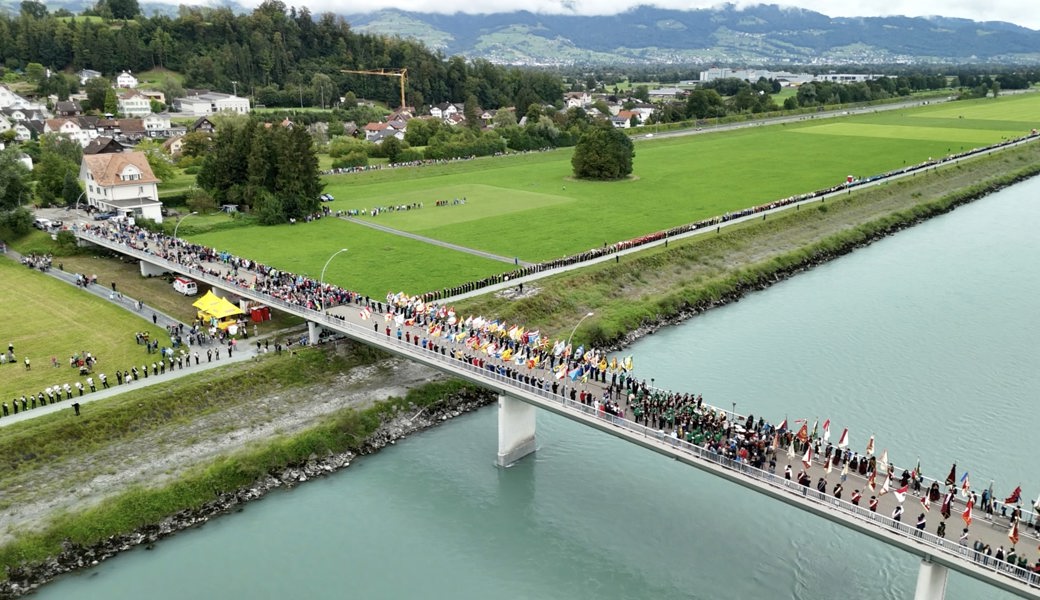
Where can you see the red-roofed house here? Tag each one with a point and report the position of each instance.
(122, 183)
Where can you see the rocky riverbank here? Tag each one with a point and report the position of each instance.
(24, 579)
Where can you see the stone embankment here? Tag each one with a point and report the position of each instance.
(23, 580)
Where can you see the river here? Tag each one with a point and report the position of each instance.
(927, 339)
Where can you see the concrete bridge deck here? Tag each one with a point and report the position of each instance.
(936, 553)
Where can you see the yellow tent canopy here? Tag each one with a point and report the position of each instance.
(215, 306)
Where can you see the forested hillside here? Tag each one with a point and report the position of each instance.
(282, 56)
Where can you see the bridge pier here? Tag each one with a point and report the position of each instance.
(931, 581)
(313, 331)
(516, 428)
(150, 270)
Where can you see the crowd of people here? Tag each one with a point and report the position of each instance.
(42, 262)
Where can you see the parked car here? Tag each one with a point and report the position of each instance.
(104, 216)
(326, 197)
(42, 224)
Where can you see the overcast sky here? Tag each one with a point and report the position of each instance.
(1021, 12)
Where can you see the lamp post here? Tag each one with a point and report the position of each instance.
(576, 327)
(321, 279)
(78, 198)
(181, 218)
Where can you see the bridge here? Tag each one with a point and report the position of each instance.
(518, 401)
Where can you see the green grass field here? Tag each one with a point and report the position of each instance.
(60, 320)
(529, 206)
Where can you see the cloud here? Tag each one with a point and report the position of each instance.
(1021, 12)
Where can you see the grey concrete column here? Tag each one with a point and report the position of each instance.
(313, 330)
(150, 270)
(931, 581)
(516, 429)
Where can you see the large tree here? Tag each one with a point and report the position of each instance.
(603, 152)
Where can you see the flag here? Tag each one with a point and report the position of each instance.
(782, 426)
(946, 507)
(843, 441)
(966, 515)
(900, 494)
(870, 446)
(965, 484)
(829, 463)
(952, 477)
(925, 504)
(628, 363)
(917, 471)
(776, 442)
(814, 429)
(790, 450)
(827, 430)
(882, 463)
(887, 486)
(1013, 533)
(1015, 496)
(872, 480)
(803, 433)
(845, 471)
(576, 373)
(366, 313)
(807, 459)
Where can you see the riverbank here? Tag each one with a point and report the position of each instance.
(638, 294)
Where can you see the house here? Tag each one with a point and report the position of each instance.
(69, 128)
(350, 128)
(156, 124)
(67, 108)
(123, 183)
(174, 146)
(103, 145)
(22, 131)
(373, 130)
(134, 104)
(86, 75)
(153, 95)
(668, 92)
(577, 99)
(209, 103)
(444, 110)
(123, 130)
(5, 123)
(619, 123)
(455, 119)
(645, 110)
(628, 114)
(203, 124)
(126, 80)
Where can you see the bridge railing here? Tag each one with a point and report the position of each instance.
(500, 381)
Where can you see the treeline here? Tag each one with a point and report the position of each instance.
(281, 56)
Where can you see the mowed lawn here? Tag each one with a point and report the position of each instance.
(374, 263)
(529, 206)
(45, 317)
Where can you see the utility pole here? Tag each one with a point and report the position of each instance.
(235, 86)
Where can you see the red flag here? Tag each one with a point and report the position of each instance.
(807, 459)
(827, 430)
(966, 515)
(1014, 497)
(843, 441)
(1013, 533)
(952, 477)
(782, 426)
(871, 482)
(900, 494)
(870, 446)
(925, 504)
(803, 433)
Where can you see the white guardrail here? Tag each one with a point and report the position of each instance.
(1020, 581)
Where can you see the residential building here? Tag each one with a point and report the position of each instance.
(577, 99)
(123, 183)
(126, 80)
(153, 95)
(67, 108)
(134, 104)
(203, 124)
(103, 145)
(174, 146)
(155, 124)
(69, 128)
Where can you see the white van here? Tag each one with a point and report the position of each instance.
(185, 286)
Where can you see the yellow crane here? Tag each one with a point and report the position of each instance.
(402, 74)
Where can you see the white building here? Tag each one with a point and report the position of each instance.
(69, 128)
(126, 80)
(156, 122)
(211, 103)
(134, 104)
(86, 75)
(123, 183)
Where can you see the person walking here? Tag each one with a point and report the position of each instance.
(922, 521)
(897, 513)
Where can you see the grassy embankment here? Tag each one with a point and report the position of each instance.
(45, 444)
(695, 273)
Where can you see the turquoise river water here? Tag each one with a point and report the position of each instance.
(927, 339)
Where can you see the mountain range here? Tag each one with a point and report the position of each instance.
(762, 34)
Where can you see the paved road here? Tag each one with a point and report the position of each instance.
(436, 242)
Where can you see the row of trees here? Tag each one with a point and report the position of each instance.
(282, 56)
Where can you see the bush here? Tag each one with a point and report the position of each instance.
(357, 158)
(409, 155)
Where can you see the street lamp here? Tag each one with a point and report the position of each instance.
(321, 279)
(78, 198)
(181, 218)
(576, 328)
